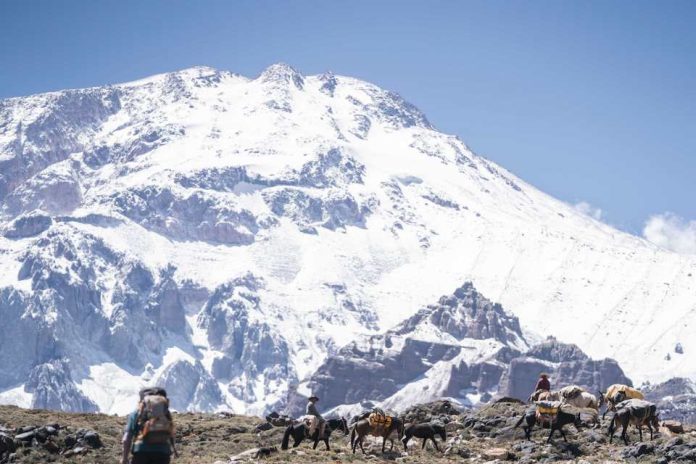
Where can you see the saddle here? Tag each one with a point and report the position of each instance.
(546, 411)
(311, 423)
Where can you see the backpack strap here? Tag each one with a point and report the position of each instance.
(135, 428)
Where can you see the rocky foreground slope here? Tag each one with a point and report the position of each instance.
(483, 435)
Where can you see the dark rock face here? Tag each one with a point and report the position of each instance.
(467, 314)
(189, 386)
(194, 216)
(25, 338)
(53, 388)
(675, 399)
(521, 376)
(63, 322)
(566, 364)
(66, 120)
(555, 352)
(27, 226)
(376, 367)
(333, 210)
(250, 346)
(166, 306)
(332, 168)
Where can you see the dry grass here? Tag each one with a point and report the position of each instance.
(206, 438)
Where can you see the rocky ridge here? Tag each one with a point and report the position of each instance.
(465, 347)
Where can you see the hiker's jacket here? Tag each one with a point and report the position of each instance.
(131, 432)
(543, 384)
(312, 411)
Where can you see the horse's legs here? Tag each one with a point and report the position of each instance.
(384, 442)
(391, 447)
(563, 435)
(640, 432)
(361, 446)
(326, 440)
(435, 443)
(550, 434)
(623, 432)
(424, 441)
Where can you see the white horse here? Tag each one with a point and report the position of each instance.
(583, 400)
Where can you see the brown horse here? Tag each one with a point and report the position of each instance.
(363, 427)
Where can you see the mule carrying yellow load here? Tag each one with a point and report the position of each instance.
(629, 392)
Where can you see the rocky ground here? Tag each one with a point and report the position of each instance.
(487, 434)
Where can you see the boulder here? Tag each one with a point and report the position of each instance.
(673, 426)
(26, 436)
(7, 444)
(263, 426)
(637, 450)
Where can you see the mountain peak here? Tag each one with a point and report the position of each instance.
(284, 74)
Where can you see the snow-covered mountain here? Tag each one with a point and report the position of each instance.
(224, 236)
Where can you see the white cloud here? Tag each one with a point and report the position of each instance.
(671, 232)
(586, 208)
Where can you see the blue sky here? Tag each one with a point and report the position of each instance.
(591, 101)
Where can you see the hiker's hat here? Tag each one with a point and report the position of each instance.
(313, 398)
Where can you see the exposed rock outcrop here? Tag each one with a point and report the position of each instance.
(433, 345)
(565, 363)
(675, 399)
(52, 387)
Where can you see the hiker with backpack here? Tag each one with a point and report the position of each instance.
(149, 432)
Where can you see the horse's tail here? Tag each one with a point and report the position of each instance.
(352, 434)
(286, 437)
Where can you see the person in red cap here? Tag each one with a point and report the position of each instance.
(543, 383)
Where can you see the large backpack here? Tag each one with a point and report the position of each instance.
(154, 421)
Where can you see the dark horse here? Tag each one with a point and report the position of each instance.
(300, 431)
(426, 432)
(561, 419)
(363, 427)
